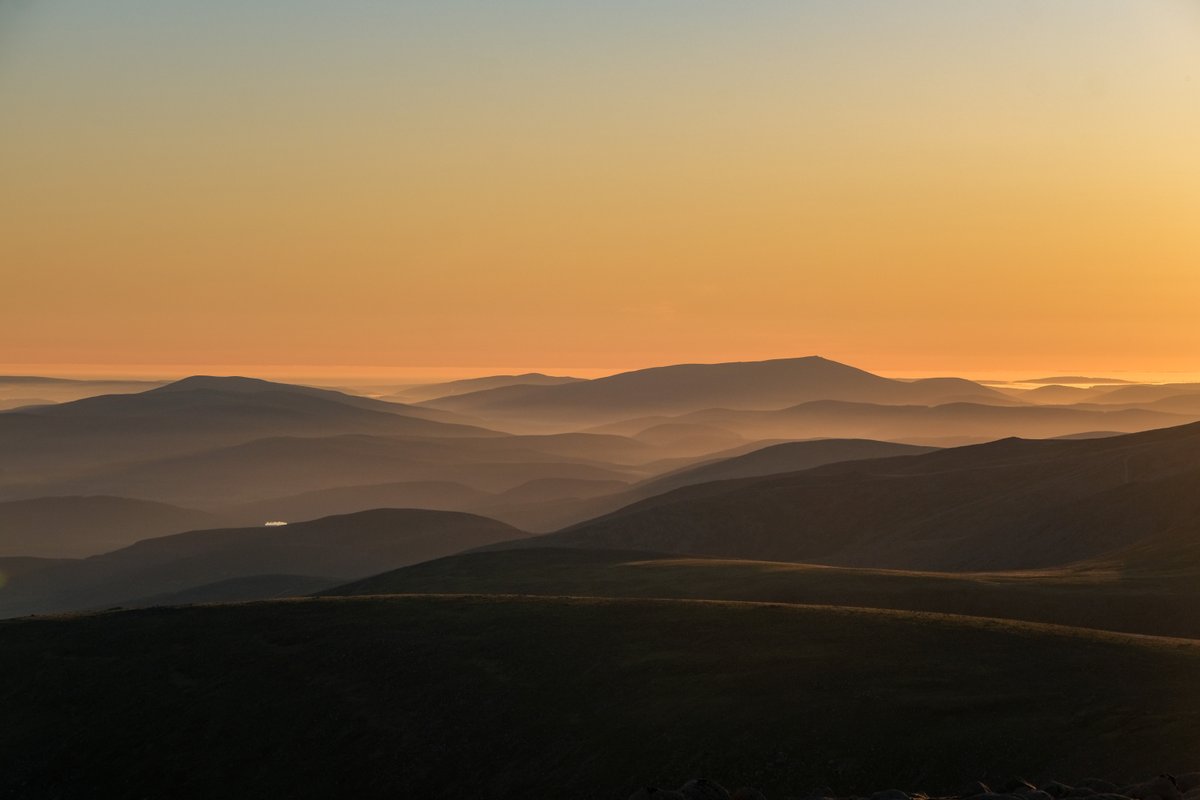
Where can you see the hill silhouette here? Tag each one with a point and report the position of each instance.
(341, 547)
(682, 388)
(1187, 404)
(1141, 394)
(555, 495)
(11, 403)
(73, 527)
(191, 415)
(266, 468)
(433, 391)
(62, 390)
(1077, 379)
(215, 443)
(780, 458)
(549, 514)
(1061, 395)
(941, 425)
(435, 495)
(236, 384)
(1010, 504)
(236, 590)
(15, 566)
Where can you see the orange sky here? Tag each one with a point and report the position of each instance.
(934, 187)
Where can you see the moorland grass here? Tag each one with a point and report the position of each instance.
(1163, 601)
(501, 696)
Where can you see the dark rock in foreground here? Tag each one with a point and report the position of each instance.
(1162, 787)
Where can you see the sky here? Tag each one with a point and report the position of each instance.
(928, 187)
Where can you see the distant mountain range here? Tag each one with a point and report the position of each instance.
(690, 387)
(1123, 502)
(192, 415)
(780, 458)
(557, 494)
(244, 450)
(1076, 380)
(17, 388)
(433, 391)
(940, 425)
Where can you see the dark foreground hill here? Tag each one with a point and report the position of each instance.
(1163, 787)
(195, 565)
(1011, 504)
(1154, 589)
(574, 698)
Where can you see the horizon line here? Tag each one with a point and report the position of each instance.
(407, 373)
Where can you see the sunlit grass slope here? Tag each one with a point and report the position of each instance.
(1150, 590)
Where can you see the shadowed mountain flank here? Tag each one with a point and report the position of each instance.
(781, 458)
(1006, 505)
(549, 513)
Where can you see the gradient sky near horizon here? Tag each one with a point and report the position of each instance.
(927, 186)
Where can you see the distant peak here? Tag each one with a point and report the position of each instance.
(227, 383)
(764, 363)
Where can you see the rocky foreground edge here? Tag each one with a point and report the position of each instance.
(1163, 787)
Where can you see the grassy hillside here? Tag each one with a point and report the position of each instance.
(1134, 597)
(573, 698)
